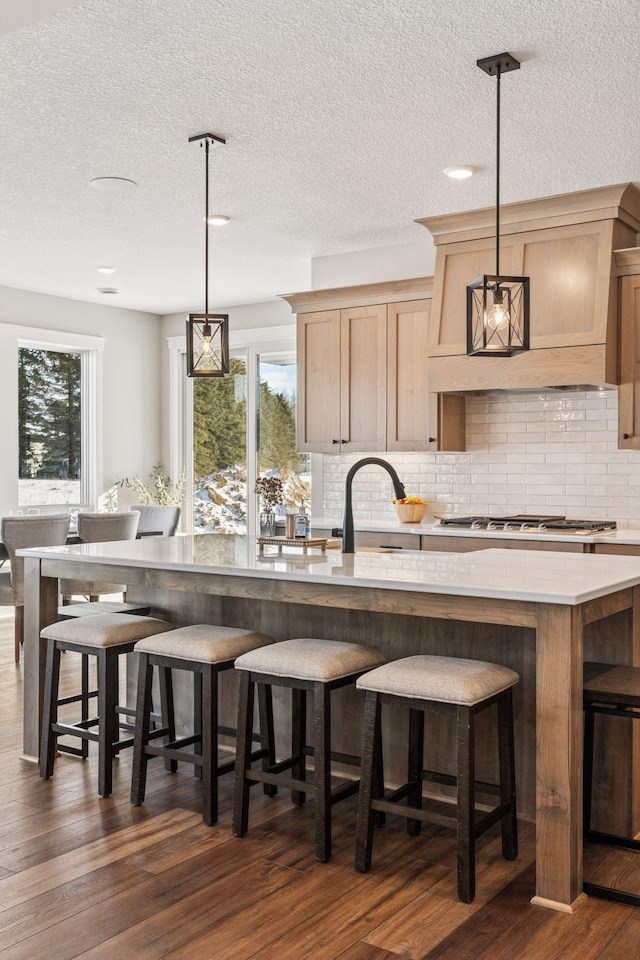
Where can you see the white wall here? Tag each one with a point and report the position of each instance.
(401, 262)
(131, 382)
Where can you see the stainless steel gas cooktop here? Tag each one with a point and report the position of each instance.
(525, 522)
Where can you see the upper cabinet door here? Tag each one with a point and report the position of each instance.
(629, 392)
(410, 423)
(363, 394)
(319, 382)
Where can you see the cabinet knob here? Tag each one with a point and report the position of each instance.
(335, 441)
(625, 436)
(432, 439)
(344, 441)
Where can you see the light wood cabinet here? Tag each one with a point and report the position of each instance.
(629, 392)
(362, 373)
(449, 544)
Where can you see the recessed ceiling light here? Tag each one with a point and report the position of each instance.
(218, 220)
(460, 172)
(106, 269)
(108, 290)
(113, 184)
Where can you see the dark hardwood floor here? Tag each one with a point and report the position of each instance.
(85, 877)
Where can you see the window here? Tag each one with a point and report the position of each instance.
(220, 451)
(49, 427)
(277, 454)
(229, 431)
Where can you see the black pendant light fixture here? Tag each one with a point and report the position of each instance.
(207, 333)
(498, 306)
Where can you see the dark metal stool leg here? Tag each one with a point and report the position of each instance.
(197, 714)
(107, 718)
(167, 712)
(209, 744)
(370, 746)
(244, 733)
(141, 735)
(322, 769)
(50, 712)
(466, 805)
(84, 744)
(298, 741)
(267, 742)
(509, 823)
(415, 765)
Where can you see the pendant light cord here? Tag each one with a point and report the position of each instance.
(498, 173)
(206, 228)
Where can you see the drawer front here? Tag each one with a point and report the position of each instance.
(468, 544)
(619, 549)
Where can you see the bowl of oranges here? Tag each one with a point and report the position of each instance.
(410, 509)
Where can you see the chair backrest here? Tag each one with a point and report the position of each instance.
(18, 533)
(162, 520)
(101, 527)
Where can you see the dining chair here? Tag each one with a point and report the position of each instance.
(18, 533)
(101, 528)
(161, 520)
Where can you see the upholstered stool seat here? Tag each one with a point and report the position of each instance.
(206, 651)
(609, 690)
(460, 688)
(92, 609)
(306, 659)
(305, 665)
(105, 636)
(444, 679)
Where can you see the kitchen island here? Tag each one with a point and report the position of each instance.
(540, 613)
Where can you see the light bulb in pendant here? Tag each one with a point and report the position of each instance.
(497, 317)
(206, 347)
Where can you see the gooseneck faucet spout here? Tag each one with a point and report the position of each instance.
(347, 524)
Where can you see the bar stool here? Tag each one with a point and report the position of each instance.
(454, 687)
(104, 637)
(613, 691)
(206, 651)
(306, 666)
(69, 611)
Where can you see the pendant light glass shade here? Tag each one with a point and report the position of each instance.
(207, 333)
(207, 344)
(498, 306)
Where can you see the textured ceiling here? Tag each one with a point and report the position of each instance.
(339, 116)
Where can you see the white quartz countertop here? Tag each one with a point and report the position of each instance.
(545, 576)
(431, 529)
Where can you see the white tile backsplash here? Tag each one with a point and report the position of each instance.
(525, 453)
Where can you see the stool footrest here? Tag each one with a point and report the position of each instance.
(344, 790)
(446, 779)
(69, 730)
(612, 839)
(610, 893)
(74, 751)
(77, 698)
(347, 758)
(389, 804)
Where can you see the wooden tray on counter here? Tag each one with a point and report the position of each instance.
(280, 542)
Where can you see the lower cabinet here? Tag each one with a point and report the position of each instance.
(619, 549)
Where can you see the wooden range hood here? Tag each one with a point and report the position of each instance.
(566, 245)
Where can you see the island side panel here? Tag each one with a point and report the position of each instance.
(559, 736)
(40, 609)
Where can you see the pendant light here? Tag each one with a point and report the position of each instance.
(498, 306)
(207, 333)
